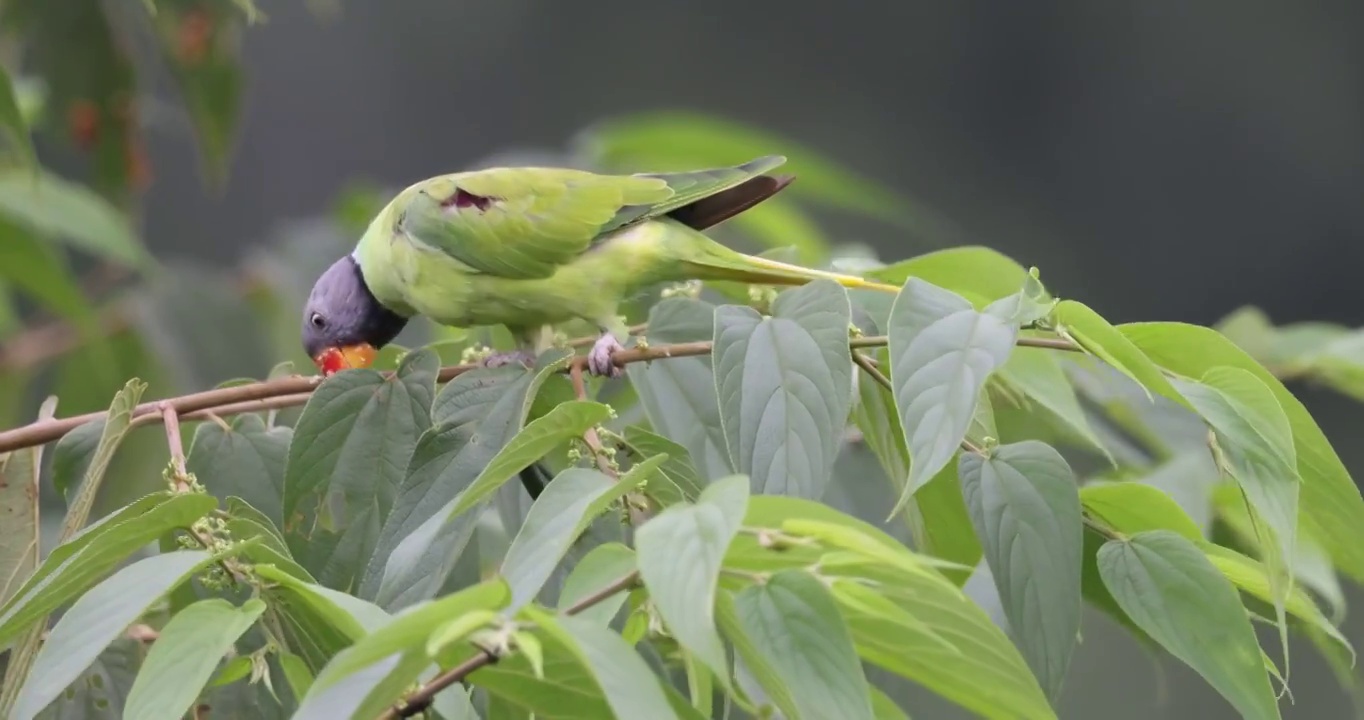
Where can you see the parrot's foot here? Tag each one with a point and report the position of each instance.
(599, 357)
(506, 358)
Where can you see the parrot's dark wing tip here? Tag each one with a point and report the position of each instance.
(715, 209)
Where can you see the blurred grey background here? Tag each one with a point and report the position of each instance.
(1158, 161)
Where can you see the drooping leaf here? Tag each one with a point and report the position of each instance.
(1170, 590)
(680, 552)
(558, 517)
(51, 205)
(345, 465)
(785, 385)
(678, 394)
(198, 42)
(941, 353)
(79, 562)
(186, 651)
(20, 471)
(323, 620)
(1255, 443)
(246, 459)
(795, 626)
(114, 427)
(1026, 509)
(1332, 510)
(600, 567)
(96, 619)
(477, 415)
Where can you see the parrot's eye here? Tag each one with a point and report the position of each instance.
(317, 320)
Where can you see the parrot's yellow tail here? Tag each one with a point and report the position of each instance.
(720, 263)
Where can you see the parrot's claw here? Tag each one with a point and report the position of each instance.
(599, 357)
(506, 358)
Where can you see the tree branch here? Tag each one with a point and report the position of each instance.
(294, 391)
(422, 698)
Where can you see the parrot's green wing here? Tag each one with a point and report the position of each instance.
(526, 222)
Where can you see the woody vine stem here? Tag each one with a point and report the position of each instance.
(295, 391)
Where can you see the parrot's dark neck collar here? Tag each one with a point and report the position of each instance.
(377, 324)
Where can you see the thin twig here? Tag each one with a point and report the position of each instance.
(869, 366)
(294, 391)
(171, 420)
(422, 698)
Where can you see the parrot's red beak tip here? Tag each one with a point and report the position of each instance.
(334, 360)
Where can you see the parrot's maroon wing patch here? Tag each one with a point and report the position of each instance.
(464, 199)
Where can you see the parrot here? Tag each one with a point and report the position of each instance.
(529, 247)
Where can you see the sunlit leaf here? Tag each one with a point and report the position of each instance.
(784, 385)
(1093, 333)
(979, 274)
(1134, 507)
(1332, 510)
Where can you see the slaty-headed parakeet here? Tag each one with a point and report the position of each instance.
(531, 247)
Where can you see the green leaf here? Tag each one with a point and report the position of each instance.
(678, 470)
(1254, 443)
(980, 274)
(78, 563)
(245, 459)
(1170, 590)
(680, 552)
(564, 421)
(1026, 510)
(12, 120)
(1035, 373)
(99, 617)
(941, 353)
(1332, 511)
(795, 626)
(50, 205)
(1090, 331)
(678, 395)
(567, 689)
(785, 387)
(600, 567)
(883, 708)
(476, 416)
(20, 471)
(182, 659)
(366, 693)
(1133, 507)
(115, 426)
(296, 673)
(922, 627)
(408, 630)
(631, 689)
(346, 462)
(38, 268)
(564, 509)
(1252, 577)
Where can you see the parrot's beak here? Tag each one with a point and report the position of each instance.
(334, 360)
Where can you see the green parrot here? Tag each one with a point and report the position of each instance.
(531, 247)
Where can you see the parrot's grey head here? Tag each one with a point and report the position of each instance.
(343, 323)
